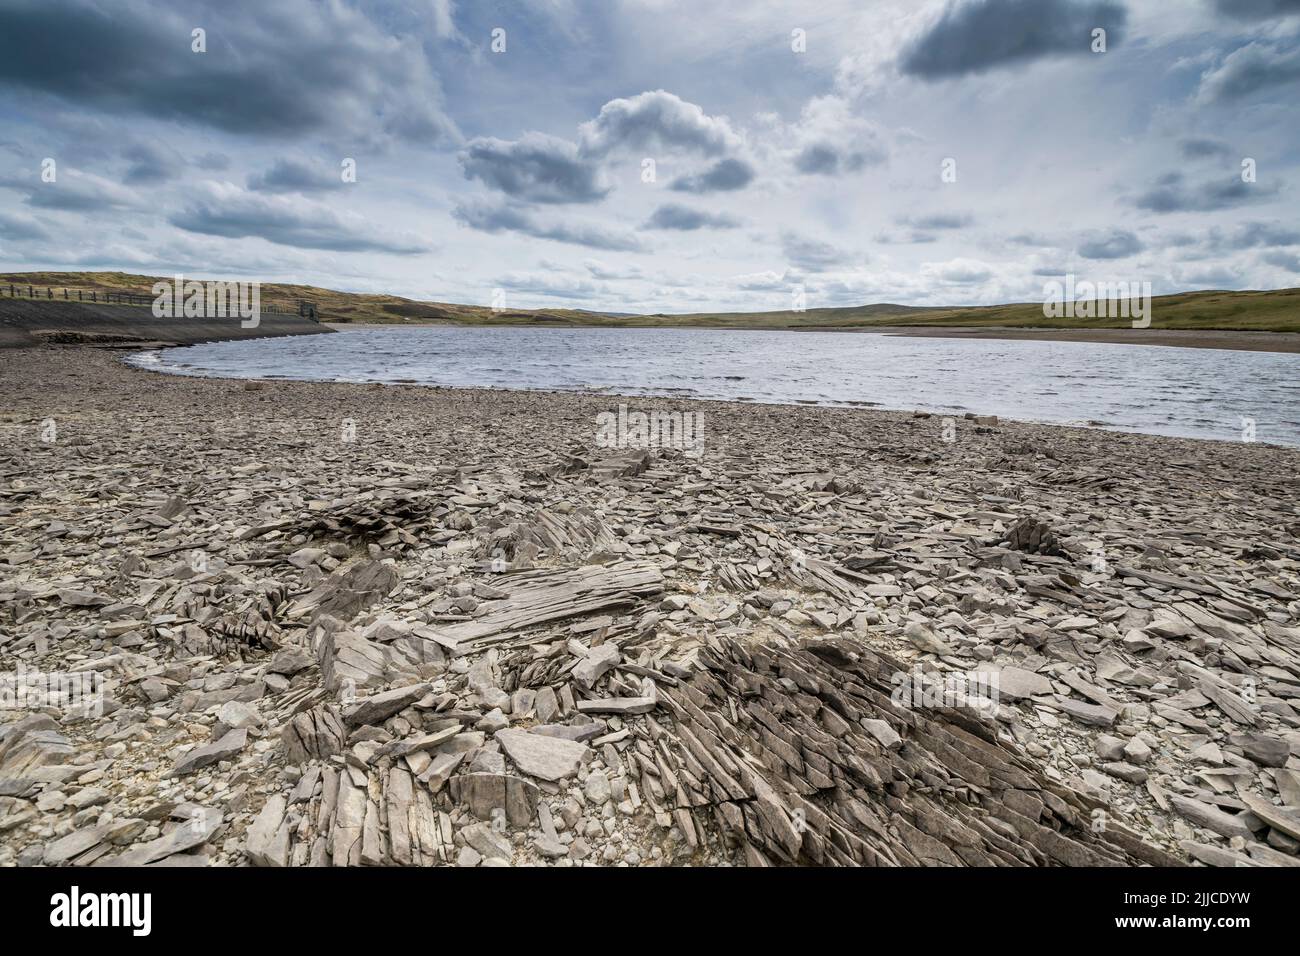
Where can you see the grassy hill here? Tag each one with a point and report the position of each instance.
(1271, 311)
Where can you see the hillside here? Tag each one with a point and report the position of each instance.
(1274, 311)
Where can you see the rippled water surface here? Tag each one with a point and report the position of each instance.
(1203, 393)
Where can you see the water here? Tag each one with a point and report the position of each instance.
(1201, 393)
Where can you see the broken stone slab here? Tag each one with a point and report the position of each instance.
(1095, 715)
(488, 842)
(379, 707)
(440, 769)
(1279, 818)
(883, 732)
(485, 793)
(223, 749)
(317, 732)
(1264, 749)
(346, 593)
(598, 662)
(1016, 683)
(1210, 818)
(183, 837)
(925, 640)
(618, 705)
(69, 847)
(268, 837)
(547, 758)
(289, 661)
(578, 732)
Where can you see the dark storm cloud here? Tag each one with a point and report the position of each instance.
(280, 69)
(292, 176)
(979, 35)
(536, 168)
(486, 217)
(234, 214)
(1172, 193)
(1117, 244)
(684, 218)
(1256, 9)
(1250, 69)
(722, 176)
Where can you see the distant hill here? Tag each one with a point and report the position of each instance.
(1272, 311)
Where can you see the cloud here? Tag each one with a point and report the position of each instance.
(1203, 147)
(1246, 235)
(1117, 244)
(722, 176)
(657, 119)
(213, 162)
(549, 283)
(284, 69)
(487, 217)
(940, 220)
(76, 191)
(1250, 69)
(21, 227)
(151, 163)
(957, 271)
(292, 176)
(1283, 260)
(829, 140)
(535, 168)
(978, 35)
(1257, 9)
(601, 270)
(1171, 193)
(226, 210)
(1251, 235)
(812, 255)
(675, 216)
(762, 282)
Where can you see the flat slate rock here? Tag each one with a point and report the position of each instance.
(547, 758)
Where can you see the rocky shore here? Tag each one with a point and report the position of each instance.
(295, 624)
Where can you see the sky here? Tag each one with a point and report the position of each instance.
(656, 155)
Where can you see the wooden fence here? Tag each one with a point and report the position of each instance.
(103, 297)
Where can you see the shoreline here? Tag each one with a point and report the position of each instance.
(807, 558)
(1223, 339)
(1233, 340)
